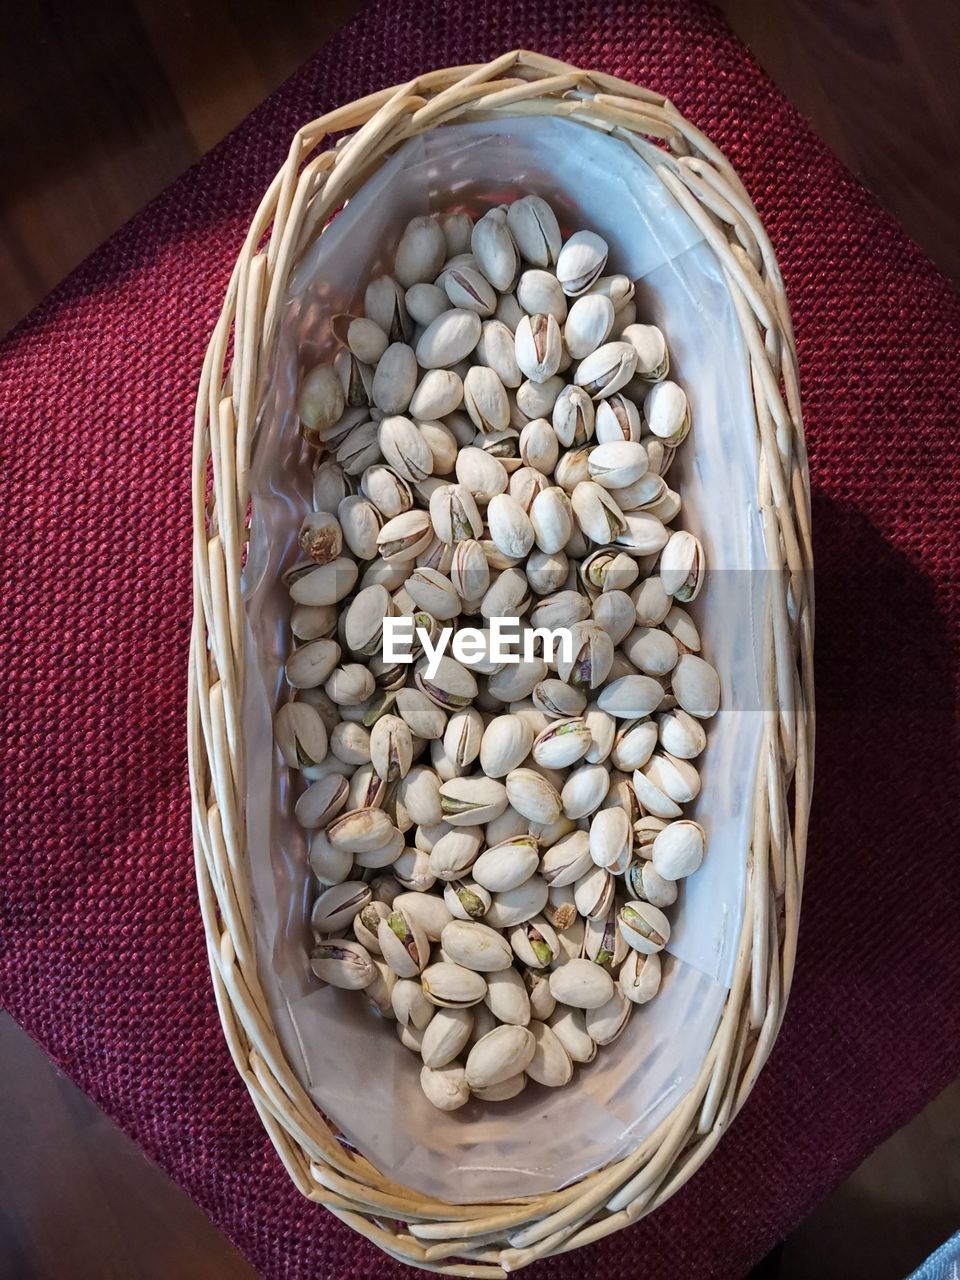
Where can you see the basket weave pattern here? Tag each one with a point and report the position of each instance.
(488, 1240)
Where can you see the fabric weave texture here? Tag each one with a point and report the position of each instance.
(102, 956)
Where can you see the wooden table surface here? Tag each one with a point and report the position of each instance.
(101, 106)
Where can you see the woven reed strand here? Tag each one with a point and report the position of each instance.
(490, 1240)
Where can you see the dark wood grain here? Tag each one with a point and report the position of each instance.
(78, 1200)
(878, 80)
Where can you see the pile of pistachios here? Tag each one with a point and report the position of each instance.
(495, 845)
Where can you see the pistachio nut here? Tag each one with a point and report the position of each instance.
(451, 687)
(696, 686)
(421, 251)
(680, 734)
(573, 418)
(329, 865)
(476, 946)
(510, 526)
(588, 325)
(466, 900)
(667, 413)
(360, 830)
(591, 657)
(324, 584)
(514, 906)
(562, 743)
(445, 1035)
(639, 976)
(535, 230)
(469, 801)
(485, 399)
(507, 865)
(321, 801)
(448, 339)
(653, 359)
(499, 1055)
(320, 401)
(424, 302)
(568, 1027)
(682, 566)
(605, 1024)
(539, 293)
(532, 795)
(343, 963)
(580, 262)
(505, 745)
(411, 1008)
(581, 984)
(635, 743)
(455, 852)
(445, 1087)
(644, 926)
(495, 251)
(481, 473)
(607, 369)
(451, 986)
(678, 849)
(301, 735)
(536, 399)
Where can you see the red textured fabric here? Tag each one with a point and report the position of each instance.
(101, 952)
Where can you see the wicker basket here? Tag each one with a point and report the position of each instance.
(488, 1240)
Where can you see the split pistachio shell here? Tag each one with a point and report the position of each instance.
(494, 249)
(403, 944)
(562, 743)
(581, 984)
(336, 907)
(421, 251)
(329, 865)
(485, 399)
(618, 420)
(301, 734)
(322, 801)
(411, 1008)
(573, 417)
(538, 347)
(558, 701)
(343, 963)
(566, 860)
(580, 262)
(643, 882)
(472, 801)
(607, 369)
(682, 566)
(466, 900)
(534, 943)
(644, 927)
(680, 734)
(429, 912)
(639, 976)
(651, 650)
(614, 466)
(635, 743)
(535, 230)
(533, 796)
(653, 359)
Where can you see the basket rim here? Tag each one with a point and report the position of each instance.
(494, 1238)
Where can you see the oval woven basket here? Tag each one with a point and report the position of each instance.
(491, 1239)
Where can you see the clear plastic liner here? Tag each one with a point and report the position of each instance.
(347, 1057)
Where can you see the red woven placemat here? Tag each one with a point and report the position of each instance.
(101, 952)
